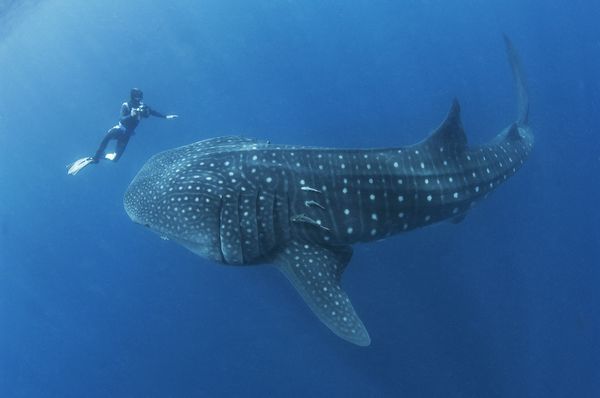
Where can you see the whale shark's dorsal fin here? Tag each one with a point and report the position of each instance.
(449, 135)
(315, 271)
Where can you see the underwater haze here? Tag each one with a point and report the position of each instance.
(503, 304)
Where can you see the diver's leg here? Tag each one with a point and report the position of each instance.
(112, 134)
(122, 142)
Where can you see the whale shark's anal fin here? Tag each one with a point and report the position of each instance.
(315, 272)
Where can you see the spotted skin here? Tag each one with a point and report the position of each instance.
(241, 201)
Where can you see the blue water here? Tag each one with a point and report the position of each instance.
(504, 304)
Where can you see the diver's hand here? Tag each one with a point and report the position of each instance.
(134, 112)
(171, 116)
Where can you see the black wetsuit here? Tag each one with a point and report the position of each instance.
(125, 129)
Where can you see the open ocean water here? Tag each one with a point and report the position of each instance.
(503, 304)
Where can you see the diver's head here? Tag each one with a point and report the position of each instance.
(136, 95)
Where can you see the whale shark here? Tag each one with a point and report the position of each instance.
(243, 201)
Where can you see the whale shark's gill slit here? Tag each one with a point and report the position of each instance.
(282, 215)
(267, 222)
(257, 217)
(238, 225)
(288, 213)
(275, 219)
(385, 189)
(219, 229)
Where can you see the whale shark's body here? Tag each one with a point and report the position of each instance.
(241, 201)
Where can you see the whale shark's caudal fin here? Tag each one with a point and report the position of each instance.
(522, 94)
(315, 271)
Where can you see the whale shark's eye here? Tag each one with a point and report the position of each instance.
(147, 225)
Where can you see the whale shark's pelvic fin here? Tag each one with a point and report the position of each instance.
(315, 271)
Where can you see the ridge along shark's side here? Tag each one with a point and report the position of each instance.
(241, 201)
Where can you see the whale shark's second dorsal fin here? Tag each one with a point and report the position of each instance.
(449, 136)
(513, 133)
(315, 271)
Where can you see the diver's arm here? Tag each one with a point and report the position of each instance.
(158, 114)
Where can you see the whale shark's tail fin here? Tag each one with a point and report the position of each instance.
(522, 94)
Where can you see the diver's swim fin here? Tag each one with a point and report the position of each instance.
(78, 165)
(110, 156)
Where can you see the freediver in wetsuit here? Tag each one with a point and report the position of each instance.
(132, 112)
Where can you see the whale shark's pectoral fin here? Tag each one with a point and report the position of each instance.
(315, 272)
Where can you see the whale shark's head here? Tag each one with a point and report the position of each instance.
(180, 201)
(179, 193)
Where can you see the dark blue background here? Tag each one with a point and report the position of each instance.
(504, 304)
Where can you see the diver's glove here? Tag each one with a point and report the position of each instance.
(171, 116)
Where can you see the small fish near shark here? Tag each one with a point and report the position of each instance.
(241, 201)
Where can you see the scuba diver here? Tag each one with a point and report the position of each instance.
(132, 112)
